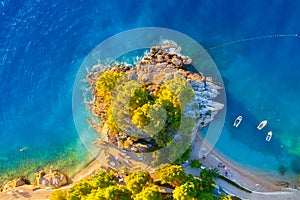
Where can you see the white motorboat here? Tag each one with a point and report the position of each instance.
(269, 136)
(237, 121)
(262, 124)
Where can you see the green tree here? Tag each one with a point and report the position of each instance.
(171, 174)
(103, 180)
(149, 193)
(83, 188)
(180, 88)
(113, 192)
(106, 83)
(117, 192)
(112, 125)
(96, 195)
(140, 116)
(205, 196)
(139, 98)
(157, 123)
(195, 164)
(225, 197)
(214, 173)
(207, 180)
(58, 195)
(183, 192)
(171, 104)
(137, 180)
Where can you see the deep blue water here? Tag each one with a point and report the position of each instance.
(43, 43)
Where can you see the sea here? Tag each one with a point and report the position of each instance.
(255, 45)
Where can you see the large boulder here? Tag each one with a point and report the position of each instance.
(53, 179)
(17, 182)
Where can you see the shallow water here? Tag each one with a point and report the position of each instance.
(43, 44)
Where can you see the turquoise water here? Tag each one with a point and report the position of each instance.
(262, 84)
(42, 45)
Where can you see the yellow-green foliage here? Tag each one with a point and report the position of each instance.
(183, 192)
(157, 115)
(195, 164)
(58, 195)
(207, 180)
(192, 188)
(225, 197)
(140, 116)
(139, 98)
(149, 193)
(81, 189)
(112, 125)
(174, 95)
(106, 84)
(137, 180)
(140, 186)
(180, 89)
(171, 174)
(103, 180)
(115, 192)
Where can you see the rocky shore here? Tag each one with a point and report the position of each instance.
(160, 64)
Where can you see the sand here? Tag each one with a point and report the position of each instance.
(242, 177)
(114, 158)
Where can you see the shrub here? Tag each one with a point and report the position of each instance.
(58, 195)
(195, 164)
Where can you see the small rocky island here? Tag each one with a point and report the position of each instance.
(155, 103)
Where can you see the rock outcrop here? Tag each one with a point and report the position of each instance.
(53, 179)
(160, 64)
(17, 182)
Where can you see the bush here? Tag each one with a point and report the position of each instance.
(195, 164)
(149, 193)
(58, 195)
(171, 174)
(137, 180)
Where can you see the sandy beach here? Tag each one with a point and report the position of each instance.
(212, 160)
(114, 158)
(243, 177)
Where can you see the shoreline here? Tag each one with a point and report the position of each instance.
(243, 177)
(258, 185)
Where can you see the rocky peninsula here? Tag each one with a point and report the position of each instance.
(149, 105)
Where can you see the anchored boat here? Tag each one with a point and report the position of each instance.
(237, 121)
(262, 124)
(269, 136)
